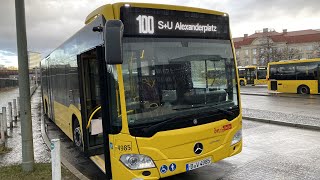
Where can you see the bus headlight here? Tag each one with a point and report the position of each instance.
(237, 137)
(137, 161)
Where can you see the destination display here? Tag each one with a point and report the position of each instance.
(170, 23)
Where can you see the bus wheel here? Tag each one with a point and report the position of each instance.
(77, 136)
(242, 83)
(303, 89)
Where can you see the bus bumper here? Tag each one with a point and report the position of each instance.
(169, 167)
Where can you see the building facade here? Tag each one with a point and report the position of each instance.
(268, 45)
(34, 59)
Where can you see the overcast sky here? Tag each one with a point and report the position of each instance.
(51, 22)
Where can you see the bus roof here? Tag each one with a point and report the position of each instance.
(295, 61)
(107, 10)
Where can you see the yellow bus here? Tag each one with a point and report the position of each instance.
(128, 89)
(295, 76)
(252, 75)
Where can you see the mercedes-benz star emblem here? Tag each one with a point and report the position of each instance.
(198, 148)
(195, 121)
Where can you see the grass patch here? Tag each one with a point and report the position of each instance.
(41, 171)
(4, 150)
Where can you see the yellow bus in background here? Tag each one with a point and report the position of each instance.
(295, 76)
(131, 90)
(252, 75)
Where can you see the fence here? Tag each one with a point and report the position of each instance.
(6, 83)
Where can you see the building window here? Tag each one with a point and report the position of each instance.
(254, 51)
(247, 52)
(237, 53)
(262, 61)
(308, 48)
(246, 61)
(261, 50)
(254, 61)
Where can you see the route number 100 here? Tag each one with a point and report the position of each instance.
(146, 24)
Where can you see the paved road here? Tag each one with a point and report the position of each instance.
(301, 105)
(270, 152)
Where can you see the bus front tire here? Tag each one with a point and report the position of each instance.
(242, 83)
(303, 89)
(77, 136)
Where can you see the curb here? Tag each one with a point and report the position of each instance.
(255, 94)
(277, 95)
(68, 165)
(302, 126)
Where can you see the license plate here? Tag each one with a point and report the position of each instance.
(198, 164)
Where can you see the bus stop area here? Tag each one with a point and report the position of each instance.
(291, 116)
(275, 157)
(280, 108)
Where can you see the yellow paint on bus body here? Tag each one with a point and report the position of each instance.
(291, 86)
(165, 147)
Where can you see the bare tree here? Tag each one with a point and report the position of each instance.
(268, 51)
(316, 50)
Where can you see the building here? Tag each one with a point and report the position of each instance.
(34, 59)
(268, 45)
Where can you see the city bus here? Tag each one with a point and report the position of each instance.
(129, 91)
(252, 75)
(295, 76)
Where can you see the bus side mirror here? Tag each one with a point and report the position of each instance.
(113, 33)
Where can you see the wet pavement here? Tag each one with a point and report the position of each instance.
(269, 152)
(41, 152)
(262, 90)
(73, 155)
(8, 96)
(290, 108)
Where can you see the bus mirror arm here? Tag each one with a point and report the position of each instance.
(113, 34)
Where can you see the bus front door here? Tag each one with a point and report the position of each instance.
(250, 75)
(91, 103)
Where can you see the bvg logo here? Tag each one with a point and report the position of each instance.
(222, 129)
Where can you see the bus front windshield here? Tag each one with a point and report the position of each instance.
(170, 78)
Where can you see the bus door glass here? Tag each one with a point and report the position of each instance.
(50, 93)
(90, 99)
(250, 75)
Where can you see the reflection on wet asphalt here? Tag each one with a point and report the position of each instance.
(8, 96)
(41, 152)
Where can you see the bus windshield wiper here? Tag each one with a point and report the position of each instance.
(162, 123)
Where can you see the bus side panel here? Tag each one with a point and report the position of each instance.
(260, 81)
(291, 86)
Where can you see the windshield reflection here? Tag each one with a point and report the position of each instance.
(161, 76)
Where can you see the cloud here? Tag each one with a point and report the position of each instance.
(8, 58)
(51, 22)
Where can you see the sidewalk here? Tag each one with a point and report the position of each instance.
(41, 153)
(72, 158)
(299, 121)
